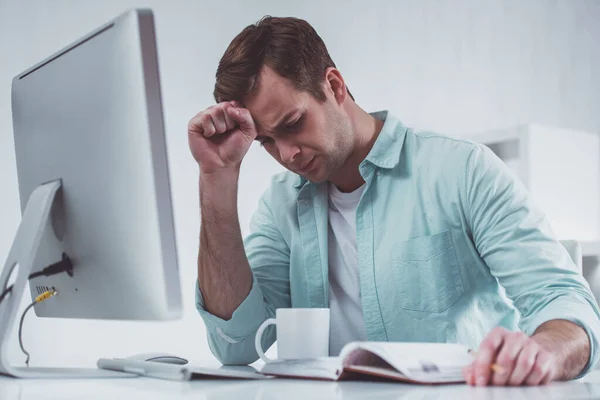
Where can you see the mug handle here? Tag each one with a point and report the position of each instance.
(258, 338)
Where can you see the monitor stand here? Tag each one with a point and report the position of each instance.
(23, 253)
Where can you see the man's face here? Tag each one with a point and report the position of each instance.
(310, 138)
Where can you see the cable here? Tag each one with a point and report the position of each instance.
(64, 265)
(42, 297)
(21, 332)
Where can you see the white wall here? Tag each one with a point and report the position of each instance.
(452, 66)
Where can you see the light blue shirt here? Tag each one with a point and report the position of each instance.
(449, 244)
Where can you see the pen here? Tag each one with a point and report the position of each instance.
(494, 367)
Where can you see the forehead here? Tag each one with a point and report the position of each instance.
(274, 97)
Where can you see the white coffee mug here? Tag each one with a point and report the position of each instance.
(301, 333)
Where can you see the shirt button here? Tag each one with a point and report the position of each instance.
(378, 173)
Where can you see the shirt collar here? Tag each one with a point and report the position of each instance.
(388, 146)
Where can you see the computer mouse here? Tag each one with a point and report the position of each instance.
(159, 357)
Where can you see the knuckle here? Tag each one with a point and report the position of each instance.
(533, 347)
(504, 358)
(495, 338)
(213, 114)
(488, 344)
(527, 362)
(203, 118)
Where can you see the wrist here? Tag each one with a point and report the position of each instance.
(219, 174)
(568, 343)
(218, 192)
(548, 341)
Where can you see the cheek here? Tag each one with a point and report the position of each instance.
(273, 152)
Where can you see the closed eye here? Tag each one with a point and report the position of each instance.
(291, 127)
(295, 125)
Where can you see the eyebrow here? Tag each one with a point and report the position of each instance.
(282, 122)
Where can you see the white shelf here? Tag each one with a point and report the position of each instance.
(561, 170)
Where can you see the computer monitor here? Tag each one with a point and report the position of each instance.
(94, 184)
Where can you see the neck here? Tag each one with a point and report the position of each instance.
(366, 130)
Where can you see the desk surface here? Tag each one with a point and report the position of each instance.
(149, 389)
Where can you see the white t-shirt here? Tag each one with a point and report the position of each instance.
(347, 322)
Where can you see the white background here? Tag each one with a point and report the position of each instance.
(453, 66)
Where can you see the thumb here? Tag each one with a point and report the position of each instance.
(244, 119)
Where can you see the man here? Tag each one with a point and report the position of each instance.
(404, 235)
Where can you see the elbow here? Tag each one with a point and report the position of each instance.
(237, 359)
(233, 353)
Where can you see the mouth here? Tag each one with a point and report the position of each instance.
(307, 167)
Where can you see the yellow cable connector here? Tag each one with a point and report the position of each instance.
(45, 296)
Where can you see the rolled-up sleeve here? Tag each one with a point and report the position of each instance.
(515, 240)
(232, 341)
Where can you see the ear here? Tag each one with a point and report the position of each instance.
(335, 85)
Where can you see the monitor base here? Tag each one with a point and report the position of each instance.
(67, 373)
(23, 252)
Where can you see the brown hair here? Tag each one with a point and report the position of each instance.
(290, 46)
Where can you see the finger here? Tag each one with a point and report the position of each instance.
(208, 128)
(468, 375)
(551, 376)
(507, 356)
(218, 120)
(487, 354)
(243, 118)
(524, 364)
(229, 122)
(195, 124)
(200, 124)
(543, 370)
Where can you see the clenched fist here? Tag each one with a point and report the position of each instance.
(220, 136)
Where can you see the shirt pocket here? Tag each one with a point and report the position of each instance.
(427, 273)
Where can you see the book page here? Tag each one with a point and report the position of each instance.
(321, 368)
(438, 361)
(429, 377)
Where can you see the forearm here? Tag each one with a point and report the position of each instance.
(224, 275)
(568, 342)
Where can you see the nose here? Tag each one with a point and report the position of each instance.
(288, 152)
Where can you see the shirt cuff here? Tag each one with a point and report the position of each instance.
(245, 319)
(577, 311)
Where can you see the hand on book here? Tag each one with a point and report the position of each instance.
(521, 361)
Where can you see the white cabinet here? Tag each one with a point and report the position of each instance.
(561, 169)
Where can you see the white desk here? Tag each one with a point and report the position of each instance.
(149, 389)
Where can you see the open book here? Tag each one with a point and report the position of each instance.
(429, 363)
